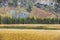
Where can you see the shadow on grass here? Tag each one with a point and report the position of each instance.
(26, 27)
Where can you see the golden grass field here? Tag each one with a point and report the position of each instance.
(29, 34)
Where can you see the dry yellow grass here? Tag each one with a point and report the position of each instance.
(39, 13)
(4, 12)
(36, 13)
(16, 34)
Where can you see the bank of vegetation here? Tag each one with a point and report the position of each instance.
(30, 27)
(8, 20)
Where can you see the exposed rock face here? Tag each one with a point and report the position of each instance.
(3, 3)
(32, 2)
(22, 14)
(13, 13)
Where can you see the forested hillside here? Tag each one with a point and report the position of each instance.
(29, 11)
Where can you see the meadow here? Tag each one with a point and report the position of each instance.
(29, 34)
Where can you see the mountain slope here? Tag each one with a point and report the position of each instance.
(39, 13)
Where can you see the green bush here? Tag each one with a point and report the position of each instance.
(29, 8)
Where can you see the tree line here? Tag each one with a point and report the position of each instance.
(7, 20)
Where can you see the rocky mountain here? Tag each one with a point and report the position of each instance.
(37, 8)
